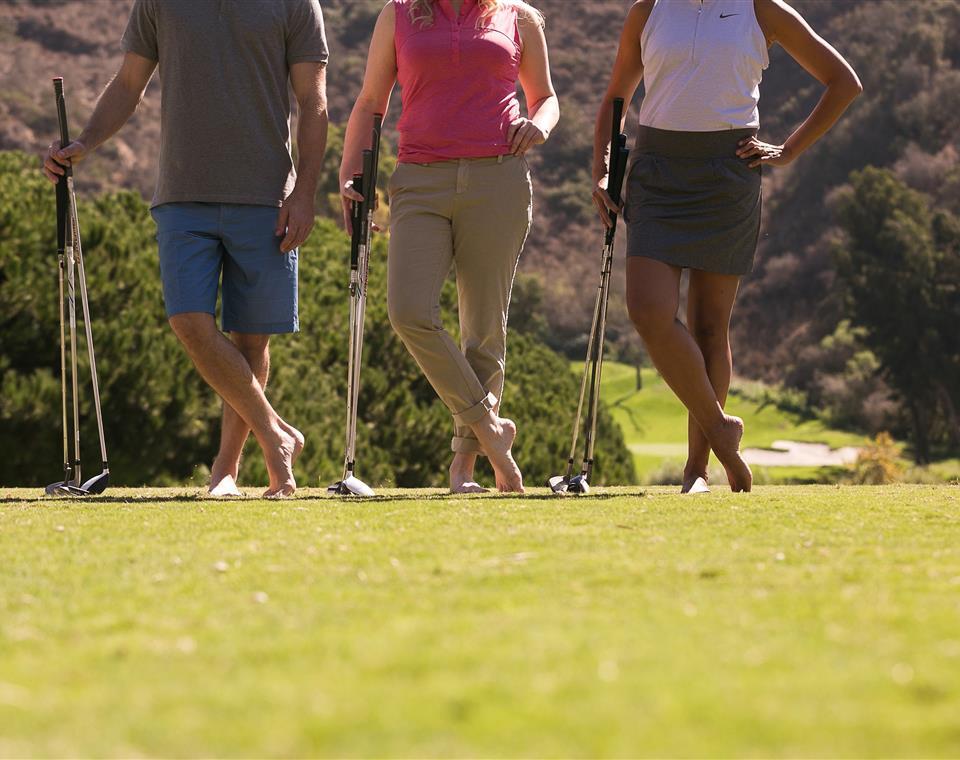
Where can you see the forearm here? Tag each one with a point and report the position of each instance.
(311, 145)
(601, 139)
(114, 108)
(545, 113)
(828, 110)
(357, 137)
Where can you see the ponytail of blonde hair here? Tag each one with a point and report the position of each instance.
(421, 11)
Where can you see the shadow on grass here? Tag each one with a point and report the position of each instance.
(201, 498)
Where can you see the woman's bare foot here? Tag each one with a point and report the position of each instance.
(496, 436)
(280, 455)
(461, 474)
(725, 441)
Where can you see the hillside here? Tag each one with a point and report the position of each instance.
(790, 325)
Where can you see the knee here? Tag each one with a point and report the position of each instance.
(711, 336)
(193, 328)
(650, 317)
(408, 314)
(251, 345)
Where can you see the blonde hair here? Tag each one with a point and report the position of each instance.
(421, 11)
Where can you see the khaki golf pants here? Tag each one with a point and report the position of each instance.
(472, 214)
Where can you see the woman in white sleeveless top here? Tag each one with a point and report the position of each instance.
(693, 188)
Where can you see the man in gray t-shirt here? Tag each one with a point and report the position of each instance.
(228, 203)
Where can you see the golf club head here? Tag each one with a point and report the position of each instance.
(98, 483)
(351, 486)
(65, 489)
(579, 485)
(54, 488)
(558, 484)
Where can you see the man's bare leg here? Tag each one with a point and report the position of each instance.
(709, 307)
(653, 294)
(233, 429)
(224, 368)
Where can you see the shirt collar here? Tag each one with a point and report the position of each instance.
(465, 9)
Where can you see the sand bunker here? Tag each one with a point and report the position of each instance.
(797, 454)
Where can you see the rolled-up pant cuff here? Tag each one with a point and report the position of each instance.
(476, 412)
(465, 445)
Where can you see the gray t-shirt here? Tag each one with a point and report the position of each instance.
(225, 102)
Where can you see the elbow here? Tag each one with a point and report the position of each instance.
(370, 103)
(850, 86)
(855, 86)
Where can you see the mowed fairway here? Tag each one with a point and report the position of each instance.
(800, 621)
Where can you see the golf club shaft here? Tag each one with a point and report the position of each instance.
(63, 211)
(596, 344)
(88, 328)
(63, 369)
(603, 298)
(72, 318)
(351, 385)
(361, 225)
(356, 234)
(578, 417)
(594, 362)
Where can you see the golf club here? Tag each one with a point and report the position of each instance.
(361, 217)
(593, 364)
(70, 266)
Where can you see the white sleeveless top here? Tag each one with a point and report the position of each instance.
(702, 65)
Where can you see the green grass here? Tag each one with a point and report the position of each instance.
(794, 621)
(654, 424)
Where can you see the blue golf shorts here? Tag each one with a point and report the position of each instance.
(200, 243)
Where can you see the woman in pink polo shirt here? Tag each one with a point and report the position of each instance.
(460, 195)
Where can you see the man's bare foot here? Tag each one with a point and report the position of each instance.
(225, 486)
(297, 437)
(279, 456)
(461, 474)
(496, 436)
(724, 439)
(222, 471)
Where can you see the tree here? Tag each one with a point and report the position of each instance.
(899, 274)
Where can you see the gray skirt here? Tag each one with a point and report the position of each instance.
(690, 202)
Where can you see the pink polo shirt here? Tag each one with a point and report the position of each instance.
(458, 82)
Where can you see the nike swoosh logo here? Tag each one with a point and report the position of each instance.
(729, 15)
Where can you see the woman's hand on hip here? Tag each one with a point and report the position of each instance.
(604, 203)
(523, 135)
(759, 153)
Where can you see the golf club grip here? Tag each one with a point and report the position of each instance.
(375, 150)
(63, 203)
(375, 143)
(615, 131)
(617, 175)
(62, 120)
(356, 223)
(368, 187)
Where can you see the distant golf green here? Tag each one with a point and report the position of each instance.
(793, 621)
(654, 425)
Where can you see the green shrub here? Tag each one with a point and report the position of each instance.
(878, 463)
